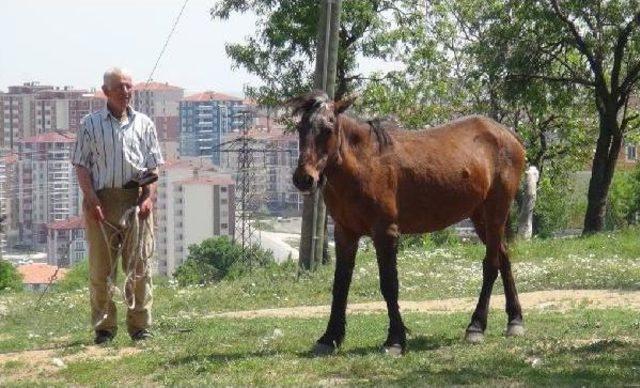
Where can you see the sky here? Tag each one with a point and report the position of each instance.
(72, 42)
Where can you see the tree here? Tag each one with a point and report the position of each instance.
(10, 278)
(595, 46)
(282, 50)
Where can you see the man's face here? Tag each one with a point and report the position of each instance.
(119, 92)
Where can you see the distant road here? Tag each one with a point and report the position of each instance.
(275, 242)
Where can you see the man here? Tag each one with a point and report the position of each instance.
(114, 146)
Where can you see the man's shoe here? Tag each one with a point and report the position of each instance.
(141, 335)
(102, 336)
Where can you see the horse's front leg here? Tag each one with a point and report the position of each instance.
(386, 243)
(346, 248)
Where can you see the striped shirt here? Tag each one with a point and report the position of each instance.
(116, 152)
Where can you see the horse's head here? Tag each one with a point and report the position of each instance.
(319, 136)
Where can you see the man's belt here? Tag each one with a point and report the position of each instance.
(146, 178)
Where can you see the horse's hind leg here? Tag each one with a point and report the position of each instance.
(514, 311)
(490, 267)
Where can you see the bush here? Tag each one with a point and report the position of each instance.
(217, 258)
(76, 278)
(10, 278)
(551, 212)
(440, 238)
(623, 202)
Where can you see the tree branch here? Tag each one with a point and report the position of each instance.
(575, 80)
(619, 51)
(631, 78)
(582, 46)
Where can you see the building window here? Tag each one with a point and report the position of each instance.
(631, 152)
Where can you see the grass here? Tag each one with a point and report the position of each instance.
(575, 347)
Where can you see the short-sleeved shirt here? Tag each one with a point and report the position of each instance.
(116, 152)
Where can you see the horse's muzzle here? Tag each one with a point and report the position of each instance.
(304, 182)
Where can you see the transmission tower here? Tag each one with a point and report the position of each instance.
(247, 193)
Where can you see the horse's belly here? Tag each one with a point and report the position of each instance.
(421, 212)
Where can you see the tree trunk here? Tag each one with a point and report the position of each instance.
(604, 164)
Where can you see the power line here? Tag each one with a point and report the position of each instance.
(166, 43)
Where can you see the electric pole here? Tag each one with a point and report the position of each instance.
(314, 213)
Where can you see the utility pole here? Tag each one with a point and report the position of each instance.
(314, 213)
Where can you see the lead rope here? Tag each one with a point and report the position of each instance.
(136, 236)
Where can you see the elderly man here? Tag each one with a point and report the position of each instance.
(115, 147)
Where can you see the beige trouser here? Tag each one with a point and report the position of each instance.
(115, 202)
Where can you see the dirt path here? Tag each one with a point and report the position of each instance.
(557, 300)
(46, 362)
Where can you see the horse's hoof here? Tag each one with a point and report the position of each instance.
(322, 350)
(515, 330)
(394, 350)
(474, 337)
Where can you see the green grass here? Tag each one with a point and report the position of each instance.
(577, 347)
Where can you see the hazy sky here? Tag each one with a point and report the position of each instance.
(72, 42)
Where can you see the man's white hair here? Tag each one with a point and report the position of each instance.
(111, 73)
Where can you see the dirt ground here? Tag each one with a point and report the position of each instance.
(557, 300)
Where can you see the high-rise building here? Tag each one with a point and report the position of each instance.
(205, 118)
(160, 101)
(47, 188)
(32, 109)
(8, 204)
(178, 223)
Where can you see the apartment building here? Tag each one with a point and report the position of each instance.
(66, 243)
(160, 101)
(204, 120)
(177, 225)
(204, 208)
(8, 204)
(32, 109)
(47, 188)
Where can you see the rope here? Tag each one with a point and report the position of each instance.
(131, 235)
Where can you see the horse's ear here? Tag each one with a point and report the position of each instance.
(344, 103)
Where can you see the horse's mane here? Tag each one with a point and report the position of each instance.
(379, 128)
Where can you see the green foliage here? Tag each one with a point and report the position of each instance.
(282, 50)
(10, 278)
(217, 258)
(623, 204)
(551, 211)
(76, 278)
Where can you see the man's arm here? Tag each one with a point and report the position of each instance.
(146, 198)
(90, 196)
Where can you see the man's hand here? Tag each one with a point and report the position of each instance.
(95, 207)
(145, 208)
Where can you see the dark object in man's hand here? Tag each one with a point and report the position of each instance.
(146, 178)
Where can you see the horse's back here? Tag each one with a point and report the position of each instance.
(448, 171)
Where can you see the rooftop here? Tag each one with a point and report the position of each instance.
(211, 96)
(155, 86)
(211, 181)
(69, 223)
(51, 137)
(40, 273)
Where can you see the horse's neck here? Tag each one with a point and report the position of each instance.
(357, 137)
(356, 151)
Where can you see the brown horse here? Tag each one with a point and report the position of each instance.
(381, 182)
